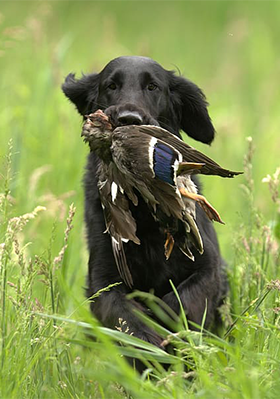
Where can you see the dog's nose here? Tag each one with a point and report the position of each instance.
(130, 118)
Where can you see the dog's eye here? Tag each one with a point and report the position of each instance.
(112, 86)
(152, 86)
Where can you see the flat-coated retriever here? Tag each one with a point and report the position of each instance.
(137, 90)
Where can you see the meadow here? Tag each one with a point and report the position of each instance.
(231, 50)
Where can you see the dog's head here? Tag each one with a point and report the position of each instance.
(137, 90)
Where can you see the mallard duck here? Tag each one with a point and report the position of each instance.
(158, 165)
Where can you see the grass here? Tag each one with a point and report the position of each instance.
(231, 50)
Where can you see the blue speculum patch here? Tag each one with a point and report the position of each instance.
(164, 158)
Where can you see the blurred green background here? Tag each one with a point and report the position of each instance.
(230, 49)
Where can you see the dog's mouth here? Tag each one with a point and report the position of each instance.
(129, 114)
(126, 117)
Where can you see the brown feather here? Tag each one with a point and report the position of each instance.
(188, 168)
(121, 262)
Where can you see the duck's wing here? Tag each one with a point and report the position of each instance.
(150, 165)
(189, 153)
(120, 259)
(121, 226)
(120, 223)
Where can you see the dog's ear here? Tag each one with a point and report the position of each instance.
(82, 92)
(190, 103)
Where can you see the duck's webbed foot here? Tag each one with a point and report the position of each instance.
(205, 205)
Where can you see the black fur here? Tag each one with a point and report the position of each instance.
(138, 90)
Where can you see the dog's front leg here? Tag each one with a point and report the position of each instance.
(198, 294)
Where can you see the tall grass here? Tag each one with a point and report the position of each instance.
(50, 344)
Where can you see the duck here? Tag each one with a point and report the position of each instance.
(154, 163)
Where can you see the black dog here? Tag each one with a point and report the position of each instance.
(137, 90)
